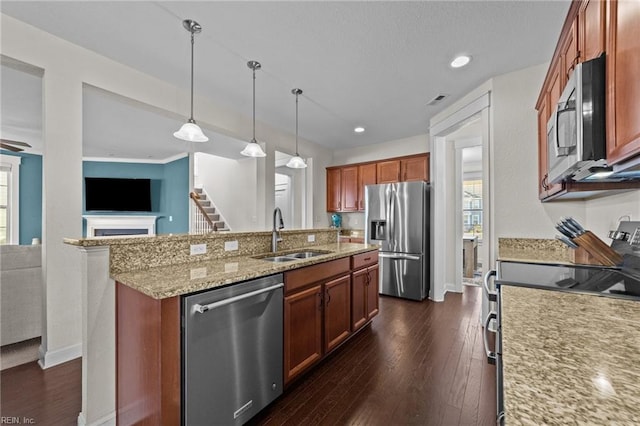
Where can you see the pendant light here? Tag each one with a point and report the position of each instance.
(190, 131)
(296, 162)
(253, 149)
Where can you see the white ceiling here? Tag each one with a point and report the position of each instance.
(374, 64)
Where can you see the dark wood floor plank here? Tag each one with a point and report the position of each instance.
(47, 397)
(418, 363)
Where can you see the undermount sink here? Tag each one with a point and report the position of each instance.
(278, 258)
(293, 256)
(305, 254)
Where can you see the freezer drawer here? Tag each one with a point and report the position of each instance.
(402, 275)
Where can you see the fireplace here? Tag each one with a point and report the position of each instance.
(109, 226)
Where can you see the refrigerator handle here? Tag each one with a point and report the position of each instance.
(392, 217)
(398, 256)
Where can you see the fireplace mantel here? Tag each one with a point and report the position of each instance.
(112, 226)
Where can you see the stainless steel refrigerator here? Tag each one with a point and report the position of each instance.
(397, 218)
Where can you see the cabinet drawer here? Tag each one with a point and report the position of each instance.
(364, 259)
(302, 277)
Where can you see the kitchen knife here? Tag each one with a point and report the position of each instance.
(567, 241)
(576, 225)
(570, 227)
(565, 231)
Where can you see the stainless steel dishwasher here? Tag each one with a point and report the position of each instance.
(232, 351)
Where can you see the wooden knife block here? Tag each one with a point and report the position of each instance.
(593, 251)
(582, 257)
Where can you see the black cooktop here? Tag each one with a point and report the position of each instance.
(586, 279)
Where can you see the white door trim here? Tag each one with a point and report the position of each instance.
(445, 243)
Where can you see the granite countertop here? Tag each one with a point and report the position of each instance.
(569, 358)
(174, 280)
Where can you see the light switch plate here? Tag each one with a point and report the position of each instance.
(311, 238)
(198, 249)
(230, 245)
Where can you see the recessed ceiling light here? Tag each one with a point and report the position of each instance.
(460, 61)
(359, 129)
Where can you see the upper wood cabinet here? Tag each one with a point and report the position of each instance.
(591, 29)
(623, 80)
(349, 189)
(367, 175)
(415, 168)
(569, 55)
(334, 184)
(346, 184)
(388, 171)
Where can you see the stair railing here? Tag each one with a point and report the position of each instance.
(202, 223)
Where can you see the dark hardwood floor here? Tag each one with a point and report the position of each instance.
(417, 364)
(43, 397)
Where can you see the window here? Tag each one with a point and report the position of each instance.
(9, 213)
(472, 207)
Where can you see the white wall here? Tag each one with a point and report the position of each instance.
(232, 186)
(603, 213)
(413, 145)
(517, 210)
(515, 170)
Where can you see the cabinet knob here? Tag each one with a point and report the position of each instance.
(328, 297)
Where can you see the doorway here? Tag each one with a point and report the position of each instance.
(290, 192)
(447, 198)
(472, 219)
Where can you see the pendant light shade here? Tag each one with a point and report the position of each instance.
(190, 131)
(253, 149)
(296, 162)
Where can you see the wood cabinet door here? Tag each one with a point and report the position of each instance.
(569, 52)
(543, 118)
(333, 190)
(415, 168)
(302, 331)
(591, 29)
(373, 296)
(388, 171)
(359, 292)
(623, 81)
(367, 175)
(349, 189)
(557, 83)
(337, 311)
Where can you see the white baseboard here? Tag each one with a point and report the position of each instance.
(449, 288)
(59, 356)
(108, 420)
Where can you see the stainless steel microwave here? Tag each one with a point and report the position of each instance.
(576, 137)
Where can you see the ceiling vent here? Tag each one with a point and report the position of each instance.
(437, 100)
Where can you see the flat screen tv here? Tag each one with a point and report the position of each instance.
(117, 194)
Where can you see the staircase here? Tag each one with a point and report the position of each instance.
(207, 208)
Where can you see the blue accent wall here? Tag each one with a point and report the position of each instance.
(30, 197)
(169, 190)
(176, 198)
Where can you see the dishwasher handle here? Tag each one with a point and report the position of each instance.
(204, 308)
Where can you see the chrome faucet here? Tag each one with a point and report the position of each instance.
(275, 234)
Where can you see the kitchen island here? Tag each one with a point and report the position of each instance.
(569, 358)
(152, 274)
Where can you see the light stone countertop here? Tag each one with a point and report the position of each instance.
(173, 280)
(569, 358)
